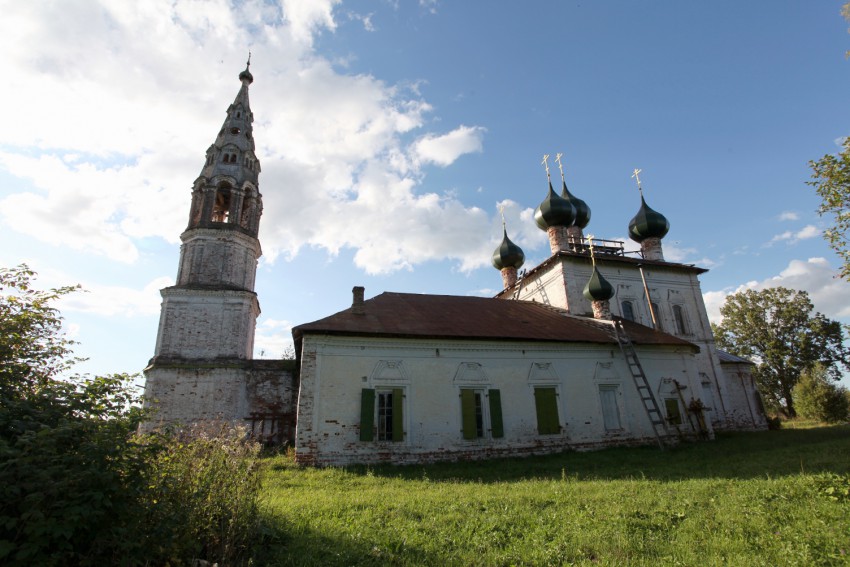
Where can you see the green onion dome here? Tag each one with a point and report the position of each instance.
(554, 211)
(598, 288)
(647, 223)
(581, 208)
(508, 254)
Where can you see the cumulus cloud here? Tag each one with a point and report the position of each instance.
(789, 216)
(829, 293)
(108, 146)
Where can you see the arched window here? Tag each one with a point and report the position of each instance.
(628, 310)
(657, 313)
(681, 320)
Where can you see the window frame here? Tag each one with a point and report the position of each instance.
(473, 406)
(370, 415)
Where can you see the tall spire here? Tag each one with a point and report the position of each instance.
(211, 311)
(227, 190)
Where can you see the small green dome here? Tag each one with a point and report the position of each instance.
(581, 208)
(508, 254)
(598, 288)
(647, 223)
(554, 211)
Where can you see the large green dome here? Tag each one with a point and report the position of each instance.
(508, 254)
(647, 223)
(598, 288)
(582, 210)
(554, 211)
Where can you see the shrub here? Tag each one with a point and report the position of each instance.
(203, 501)
(78, 486)
(817, 397)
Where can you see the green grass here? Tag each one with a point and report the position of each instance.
(769, 498)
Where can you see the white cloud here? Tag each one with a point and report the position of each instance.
(444, 150)
(273, 338)
(108, 146)
(113, 301)
(429, 5)
(307, 18)
(789, 216)
(808, 231)
(829, 293)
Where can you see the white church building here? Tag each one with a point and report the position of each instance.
(593, 347)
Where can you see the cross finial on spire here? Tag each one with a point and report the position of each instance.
(636, 176)
(560, 166)
(589, 239)
(545, 164)
(502, 212)
(248, 64)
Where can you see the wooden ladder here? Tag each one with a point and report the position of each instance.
(659, 425)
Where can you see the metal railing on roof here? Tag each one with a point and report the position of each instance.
(600, 246)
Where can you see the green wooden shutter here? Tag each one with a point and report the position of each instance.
(674, 416)
(398, 420)
(467, 406)
(496, 428)
(367, 414)
(547, 411)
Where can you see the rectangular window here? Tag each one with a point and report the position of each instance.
(681, 320)
(674, 416)
(628, 310)
(610, 408)
(386, 416)
(473, 414)
(546, 403)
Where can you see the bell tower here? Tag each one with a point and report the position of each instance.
(212, 310)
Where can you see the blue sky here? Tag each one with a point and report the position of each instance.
(389, 132)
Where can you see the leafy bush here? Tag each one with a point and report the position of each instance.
(78, 486)
(203, 500)
(817, 397)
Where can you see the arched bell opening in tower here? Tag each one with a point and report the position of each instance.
(221, 206)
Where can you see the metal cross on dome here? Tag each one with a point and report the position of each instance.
(560, 166)
(502, 212)
(589, 239)
(545, 164)
(636, 176)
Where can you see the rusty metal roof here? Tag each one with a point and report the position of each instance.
(455, 317)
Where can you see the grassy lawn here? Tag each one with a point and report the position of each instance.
(769, 498)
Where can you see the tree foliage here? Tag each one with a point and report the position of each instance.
(776, 328)
(78, 486)
(818, 398)
(831, 180)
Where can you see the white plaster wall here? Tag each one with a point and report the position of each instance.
(562, 283)
(747, 411)
(335, 369)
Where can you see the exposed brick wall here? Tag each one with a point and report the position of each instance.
(238, 392)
